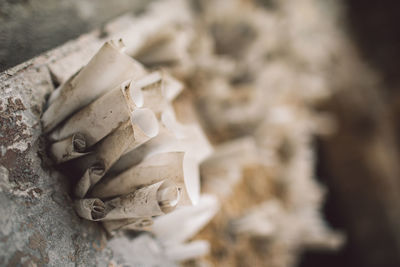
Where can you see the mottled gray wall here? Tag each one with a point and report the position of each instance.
(30, 27)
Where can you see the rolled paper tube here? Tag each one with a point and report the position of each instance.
(158, 90)
(145, 126)
(138, 224)
(142, 126)
(152, 170)
(69, 148)
(92, 209)
(190, 165)
(99, 118)
(91, 176)
(165, 141)
(104, 155)
(153, 200)
(134, 95)
(172, 137)
(106, 70)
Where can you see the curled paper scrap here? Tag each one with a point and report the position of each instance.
(152, 170)
(145, 126)
(135, 94)
(158, 89)
(164, 142)
(69, 148)
(154, 91)
(105, 154)
(167, 140)
(153, 200)
(106, 70)
(173, 137)
(99, 118)
(142, 126)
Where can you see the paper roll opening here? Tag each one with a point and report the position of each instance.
(168, 196)
(98, 168)
(145, 119)
(79, 142)
(135, 93)
(98, 209)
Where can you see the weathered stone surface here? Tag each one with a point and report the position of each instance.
(38, 225)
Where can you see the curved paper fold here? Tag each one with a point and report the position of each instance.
(151, 170)
(99, 118)
(164, 142)
(104, 155)
(107, 69)
(69, 148)
(135, 92)
(145, 126)
(173, 137)
(153, 200)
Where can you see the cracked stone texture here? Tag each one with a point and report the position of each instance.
(38, 225)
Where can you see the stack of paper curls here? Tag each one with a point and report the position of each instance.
(212, 123)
